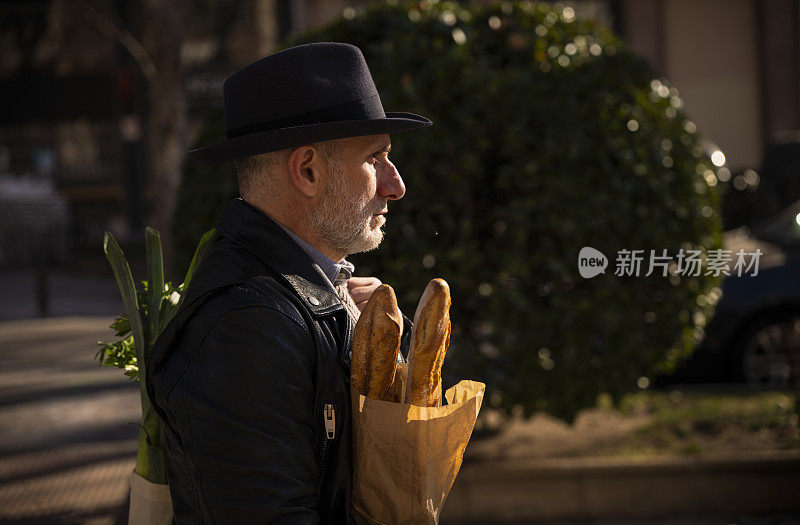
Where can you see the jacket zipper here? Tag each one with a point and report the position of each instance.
(329, 434)
(329, 416)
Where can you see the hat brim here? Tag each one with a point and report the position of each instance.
(277, 139)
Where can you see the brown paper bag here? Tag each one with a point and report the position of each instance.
(150, 502)
(405, 457)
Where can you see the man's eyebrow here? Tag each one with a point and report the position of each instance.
(387, 147)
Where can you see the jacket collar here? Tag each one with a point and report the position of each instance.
(266, 239)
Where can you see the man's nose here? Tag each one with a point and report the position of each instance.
(390, 184)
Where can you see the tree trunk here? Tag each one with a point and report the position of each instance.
(162, 35)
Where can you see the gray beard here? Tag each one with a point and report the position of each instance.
(334, 221)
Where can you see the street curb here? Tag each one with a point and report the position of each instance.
(60, 326)
(575, 488)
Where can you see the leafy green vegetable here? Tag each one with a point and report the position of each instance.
(148, 311)
(122, 353)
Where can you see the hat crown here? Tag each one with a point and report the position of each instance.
(295, 81)
(301, 95)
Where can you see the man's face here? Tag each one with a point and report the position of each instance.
(361, 180)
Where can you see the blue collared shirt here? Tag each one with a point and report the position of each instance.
(335, 272)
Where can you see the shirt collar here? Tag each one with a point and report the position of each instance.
(335, 272)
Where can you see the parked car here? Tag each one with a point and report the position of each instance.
(754, 335)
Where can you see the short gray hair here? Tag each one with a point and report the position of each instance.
(257, 173)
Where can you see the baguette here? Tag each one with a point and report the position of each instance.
(430, 338)
(398, 390)
(376, 342)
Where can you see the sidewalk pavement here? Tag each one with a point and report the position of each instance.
(70, 292)
(68, 427)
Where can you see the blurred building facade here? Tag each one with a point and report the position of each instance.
(76, 78)
(735, 62)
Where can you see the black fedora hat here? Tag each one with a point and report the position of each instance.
(304, 94)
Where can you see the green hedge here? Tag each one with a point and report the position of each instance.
(204, 191)
(549, 135)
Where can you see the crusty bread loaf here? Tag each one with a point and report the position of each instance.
(398, 390)
(376, 341)
(430, 338)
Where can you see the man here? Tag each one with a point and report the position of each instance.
(251, 377)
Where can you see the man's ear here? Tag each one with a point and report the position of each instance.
(305, 168)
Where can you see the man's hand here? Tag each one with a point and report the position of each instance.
(361, 289)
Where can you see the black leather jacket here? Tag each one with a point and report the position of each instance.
(251, 379)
